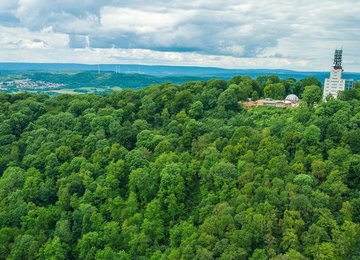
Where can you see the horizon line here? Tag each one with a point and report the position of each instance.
(163, 65)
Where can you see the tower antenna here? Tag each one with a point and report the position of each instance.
(338, 59)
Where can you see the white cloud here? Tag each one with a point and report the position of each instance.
(264, 33)
(138, 21)
(8, 5)
(10, 36)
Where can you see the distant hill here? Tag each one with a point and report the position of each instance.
(94, 79)
(173, 71)
(106, 78)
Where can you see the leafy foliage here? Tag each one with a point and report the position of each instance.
(179, 172)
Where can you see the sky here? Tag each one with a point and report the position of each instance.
(272, 34)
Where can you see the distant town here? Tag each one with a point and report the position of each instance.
(23, 84)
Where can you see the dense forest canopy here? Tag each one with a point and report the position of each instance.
(181, 172)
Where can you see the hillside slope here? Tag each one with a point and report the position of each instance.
(179, 172)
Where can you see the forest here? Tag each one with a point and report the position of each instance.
(181, 172)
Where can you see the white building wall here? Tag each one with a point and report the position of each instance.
(334, 84)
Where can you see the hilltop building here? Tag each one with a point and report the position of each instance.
(290, 101)
(349, 84)
(293, 99)
(336, 83)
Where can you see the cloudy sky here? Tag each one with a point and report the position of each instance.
(292, 34)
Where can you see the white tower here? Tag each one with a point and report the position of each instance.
(335, 83)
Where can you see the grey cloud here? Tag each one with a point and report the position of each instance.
(209, 29)
(236, 28)
(78, 41)
(8, 19)
(37, 40)
(208, 32)
(35, 43)
(280, 56)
